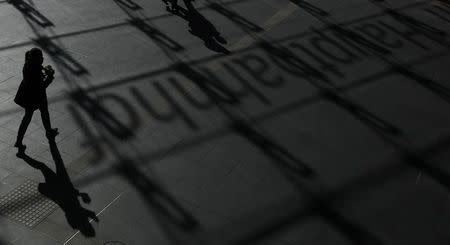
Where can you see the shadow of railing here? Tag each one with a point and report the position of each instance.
(234, 17)
(60, 56)
(407, 20)
(31, 13)
(141, 22)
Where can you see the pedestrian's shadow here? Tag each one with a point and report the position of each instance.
(201, 27)
(59, 188)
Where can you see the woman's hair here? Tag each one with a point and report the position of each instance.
(32, 54)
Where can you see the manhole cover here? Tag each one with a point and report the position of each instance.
(26, 205)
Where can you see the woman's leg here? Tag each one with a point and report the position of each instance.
(45, 115)
(23, 126)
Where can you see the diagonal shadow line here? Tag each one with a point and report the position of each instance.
(31, 13)
(234, 17)
(138, 20)
(406, 19)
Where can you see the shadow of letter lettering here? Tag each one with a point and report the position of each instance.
(289, 62)
(257, 67)
(332, 48)
(91, 140)
(133, 120)
(202, 104)
(410, 34)
(247, 87)
(377, 33)
(324, 65)
(174, 109)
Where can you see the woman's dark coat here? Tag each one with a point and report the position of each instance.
(31, 93)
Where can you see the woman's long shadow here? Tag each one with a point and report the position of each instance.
(59, 188)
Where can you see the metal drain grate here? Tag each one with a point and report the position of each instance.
(26, 205)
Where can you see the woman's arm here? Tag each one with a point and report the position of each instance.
(49, 75)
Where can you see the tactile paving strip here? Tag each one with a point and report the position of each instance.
(26, 205)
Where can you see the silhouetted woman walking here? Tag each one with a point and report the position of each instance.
(31, 95)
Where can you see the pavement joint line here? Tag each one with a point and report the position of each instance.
(98, 214)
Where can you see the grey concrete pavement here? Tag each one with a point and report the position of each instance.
(230, 122)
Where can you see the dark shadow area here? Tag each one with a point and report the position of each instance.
(30, 13)
(288, 163)
(354, 187)
(390, 134)
(290, 166)
(221, 96)
(326, 88)
(162, 204)
(236, 18)
(394, 138)
(215, 90)
(367, 47)
(91, 140)
(200, 26)
(101, 115)
(59, 188)
(433, 86)
(440, 10)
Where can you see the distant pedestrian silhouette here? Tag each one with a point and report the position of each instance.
(31, 95)
(199, 25)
